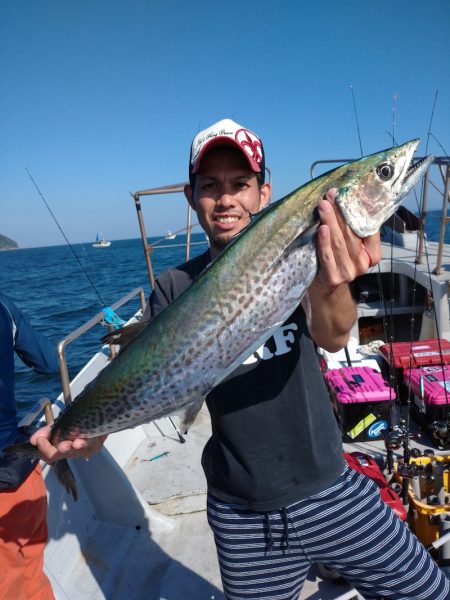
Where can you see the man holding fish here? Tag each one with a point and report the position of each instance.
(280, 494)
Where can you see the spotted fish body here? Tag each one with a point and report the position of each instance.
(237, 302)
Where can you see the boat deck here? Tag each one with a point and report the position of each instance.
(143, 533)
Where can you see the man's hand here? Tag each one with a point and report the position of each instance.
(328, 304)
(78, 448)
(343, 256)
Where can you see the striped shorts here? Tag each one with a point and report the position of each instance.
(347, 527)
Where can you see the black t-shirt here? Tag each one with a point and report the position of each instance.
(274, 436)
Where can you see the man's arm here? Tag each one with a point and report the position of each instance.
(343, 256)
(330, 314)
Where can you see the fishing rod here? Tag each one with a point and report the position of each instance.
(431, 120)
(398, 436)
(439, 429)
(357, 122)
(347, 353)
(65, 237)
(392, 434)
(410, 471)
(394, 115)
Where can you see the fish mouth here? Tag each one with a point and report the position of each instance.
(414, 166)
(414, 171)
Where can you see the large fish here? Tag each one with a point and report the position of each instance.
(236, 303)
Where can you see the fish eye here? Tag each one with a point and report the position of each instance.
(385, 171)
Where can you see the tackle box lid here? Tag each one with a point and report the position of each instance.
(418, 353)
(431, 383)
(351, 385)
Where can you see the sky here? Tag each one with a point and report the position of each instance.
(100, 98)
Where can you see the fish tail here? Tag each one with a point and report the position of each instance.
(61, 467)
(65, 476)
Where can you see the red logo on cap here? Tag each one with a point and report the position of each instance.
(250, 143)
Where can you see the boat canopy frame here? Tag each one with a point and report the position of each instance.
(175, 188)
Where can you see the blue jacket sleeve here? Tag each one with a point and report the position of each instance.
(36, 350)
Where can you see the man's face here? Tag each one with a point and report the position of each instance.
(226, 193)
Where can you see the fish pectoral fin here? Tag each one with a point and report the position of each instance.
(190, 414)
(125, 335)
(305, 237)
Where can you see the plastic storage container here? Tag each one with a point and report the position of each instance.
(362, 401)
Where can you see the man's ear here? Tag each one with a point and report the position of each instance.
(189, 193)
(265, 194)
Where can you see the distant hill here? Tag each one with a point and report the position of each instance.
(7, 243)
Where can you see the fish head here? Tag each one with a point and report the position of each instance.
(371, 189)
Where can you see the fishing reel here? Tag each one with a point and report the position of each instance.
(394, 439)
(399, 436)
(411, 470)
(440, 430)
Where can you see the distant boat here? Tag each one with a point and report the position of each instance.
(101, 243)
(169, 235)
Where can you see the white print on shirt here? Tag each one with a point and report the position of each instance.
(283, 339)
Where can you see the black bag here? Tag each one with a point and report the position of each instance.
(14, 468)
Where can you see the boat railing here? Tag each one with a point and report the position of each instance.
(98, 318)
(442, 164)
(43, 405)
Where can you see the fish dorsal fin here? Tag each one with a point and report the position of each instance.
(125, 335)
(190, 414)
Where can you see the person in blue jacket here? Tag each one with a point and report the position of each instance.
(23, 496)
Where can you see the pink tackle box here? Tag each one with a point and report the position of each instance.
(412, 355)
(431, 389)
(362, 401)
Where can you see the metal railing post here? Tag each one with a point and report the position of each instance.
(98, 318)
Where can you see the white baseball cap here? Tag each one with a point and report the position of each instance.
(228, 132)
